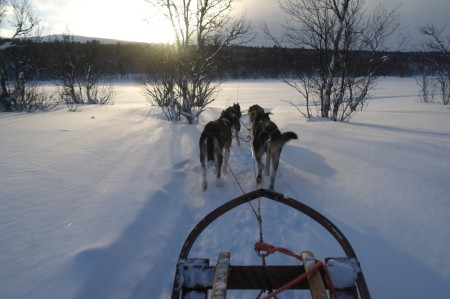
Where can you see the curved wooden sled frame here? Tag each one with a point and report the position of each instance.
(277, 197)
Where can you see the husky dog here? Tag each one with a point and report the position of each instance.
(215, 142)
(267, 139)
(234, 112)
(253, 111)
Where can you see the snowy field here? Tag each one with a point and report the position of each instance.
(97, 203)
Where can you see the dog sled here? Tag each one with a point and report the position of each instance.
(334, 278)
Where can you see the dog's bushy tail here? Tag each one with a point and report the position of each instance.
(283, 138)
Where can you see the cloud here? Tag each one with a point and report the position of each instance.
(412, 14)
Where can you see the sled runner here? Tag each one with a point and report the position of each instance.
(334, 278)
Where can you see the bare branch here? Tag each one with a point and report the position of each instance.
(2, 9)
(24, 20)
(203, 29)
(436, 42)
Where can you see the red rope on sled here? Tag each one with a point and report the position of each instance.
(270, 249)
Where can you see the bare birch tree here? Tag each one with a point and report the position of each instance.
(202, 30)
(349, 48)
(340, 12)
(18, 91)
(439, 47)
(78, 72)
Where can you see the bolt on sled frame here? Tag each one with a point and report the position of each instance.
(194, 277)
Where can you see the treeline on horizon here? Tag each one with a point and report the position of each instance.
(238, 62)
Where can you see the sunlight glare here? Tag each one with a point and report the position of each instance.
(134, 21)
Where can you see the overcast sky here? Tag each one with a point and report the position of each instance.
(413, 13)
(137, 20)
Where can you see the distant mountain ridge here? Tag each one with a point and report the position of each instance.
(84, 39)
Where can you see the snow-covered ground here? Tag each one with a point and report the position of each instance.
(97, 203)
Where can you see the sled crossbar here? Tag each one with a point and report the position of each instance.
(244, 277)
(256, 277)
(205, 278)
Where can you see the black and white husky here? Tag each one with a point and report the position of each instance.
(215, 141)
(267, 139)
(235, 113)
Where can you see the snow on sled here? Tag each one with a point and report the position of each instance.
(334, 278)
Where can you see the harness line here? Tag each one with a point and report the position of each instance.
(262, 249)
(258, 211)
(259, 219)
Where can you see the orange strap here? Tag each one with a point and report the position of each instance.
(264, 249)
